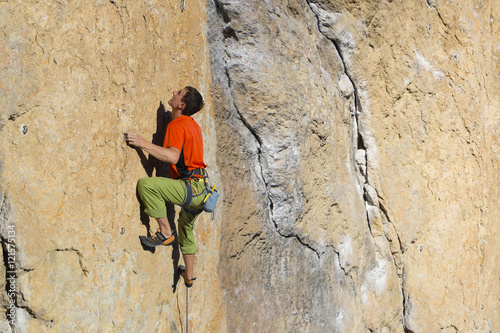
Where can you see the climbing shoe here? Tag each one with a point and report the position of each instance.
(158, 239)
(182, 272)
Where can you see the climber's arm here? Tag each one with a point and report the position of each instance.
(170, 155)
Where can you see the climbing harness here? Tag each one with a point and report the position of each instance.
(211, 195)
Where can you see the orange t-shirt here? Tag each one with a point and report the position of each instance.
(184, 134)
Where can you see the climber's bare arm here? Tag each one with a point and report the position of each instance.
(170, 155)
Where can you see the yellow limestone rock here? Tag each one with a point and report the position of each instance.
(356, 145)
(74, 77)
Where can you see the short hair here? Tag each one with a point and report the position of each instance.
(193, 100)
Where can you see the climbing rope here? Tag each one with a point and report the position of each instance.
(187, 310)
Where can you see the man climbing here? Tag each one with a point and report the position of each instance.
(183, 150)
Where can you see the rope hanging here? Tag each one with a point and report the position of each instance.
(187, 310)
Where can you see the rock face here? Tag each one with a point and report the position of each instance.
(74, 77)
(362, 139)
(356, 145)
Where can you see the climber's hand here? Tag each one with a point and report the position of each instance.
(133, 139)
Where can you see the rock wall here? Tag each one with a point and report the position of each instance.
(362, 138)
(356, 145)
(74, 77)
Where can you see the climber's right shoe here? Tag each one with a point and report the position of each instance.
(158, 239)
(182, 272)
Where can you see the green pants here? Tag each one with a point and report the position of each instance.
(155, 191)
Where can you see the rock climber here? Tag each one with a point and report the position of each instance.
(183, 150)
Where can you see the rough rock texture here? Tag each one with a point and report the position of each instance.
(356, 145)
(74, 76)
(362, 138)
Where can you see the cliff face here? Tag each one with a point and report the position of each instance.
(362, 139)
(356, 145)
(74, 77)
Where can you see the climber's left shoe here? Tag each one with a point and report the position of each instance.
(159, 239)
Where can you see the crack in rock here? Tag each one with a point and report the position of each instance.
(254, 237)
(84, 269)
(16, 300)
(15, 296)
(376, 212)
(228, 32)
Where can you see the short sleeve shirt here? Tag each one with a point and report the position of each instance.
(184, 134)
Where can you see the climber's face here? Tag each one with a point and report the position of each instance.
(176, 101)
